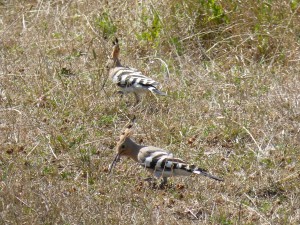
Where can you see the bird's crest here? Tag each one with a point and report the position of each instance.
(127, 131)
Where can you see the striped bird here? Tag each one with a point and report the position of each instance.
(130, 80)
(156, 160)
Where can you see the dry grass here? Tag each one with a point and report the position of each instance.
(232, 107)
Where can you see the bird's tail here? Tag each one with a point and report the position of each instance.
(178, 167)
(154, 90)
(205, 173)
(196, 170)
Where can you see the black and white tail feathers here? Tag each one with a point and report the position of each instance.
(203, 172)
(156, 91)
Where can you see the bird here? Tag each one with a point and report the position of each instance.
(161, 163)
(129, 80)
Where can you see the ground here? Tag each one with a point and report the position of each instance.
(231, 72)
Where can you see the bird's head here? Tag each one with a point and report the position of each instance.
(113, 60)
(124, 144)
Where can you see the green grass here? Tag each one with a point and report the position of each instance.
(232, 108)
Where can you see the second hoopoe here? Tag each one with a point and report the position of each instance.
(156, 160)
(130, 80)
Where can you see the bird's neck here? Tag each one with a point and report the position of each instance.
(117, 62)
(135, 149)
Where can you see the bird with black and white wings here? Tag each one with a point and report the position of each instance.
(159, 162)
(129, 80)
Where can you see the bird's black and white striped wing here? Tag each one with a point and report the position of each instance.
(127, 77)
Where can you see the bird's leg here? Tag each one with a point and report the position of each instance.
(137, 98)
(121, 95)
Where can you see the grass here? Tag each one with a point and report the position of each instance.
(232, 108)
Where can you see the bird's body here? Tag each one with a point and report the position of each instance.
(130, 80)
(159, 162)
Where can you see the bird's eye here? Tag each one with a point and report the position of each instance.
(122, 146)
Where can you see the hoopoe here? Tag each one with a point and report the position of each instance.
(130, 80)
(159, 162)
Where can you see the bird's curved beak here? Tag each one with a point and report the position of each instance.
(113, 164)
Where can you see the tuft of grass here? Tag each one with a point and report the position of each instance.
(106, 25)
